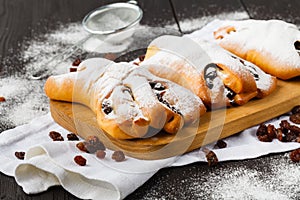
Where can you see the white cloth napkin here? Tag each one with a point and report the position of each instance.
(48, 163)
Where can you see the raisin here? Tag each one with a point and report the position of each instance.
(210, 73)
(80, 160)
(264, 138)
(262, 130)
(297, 45)
(229, 93)
(76, 62)
(221, 144)
(106, 107)
(90, 148)
(295, 155)
(81, 146)
(295, 129)
(152, 84)
(166, 103)
(268, 133)
(142, 58)
(94, 140)
(290, 137)
(93, 144)
(285, 126)
(296, 109)
(73, 69)
(2, 99)
(55, 136)
(295, 118)
(159, 97)
(251, 69)
(100, 154)
(157, 86)
(72, 137)
(262, 134)
(271, 130)
(107, 110)
(118, 156)
(280, 135)
(20, 155)
(211, 158)
(175, 110)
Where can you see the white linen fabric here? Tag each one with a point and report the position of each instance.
(48, 163)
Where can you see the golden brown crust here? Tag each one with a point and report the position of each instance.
(63, 91)
(174, 122)
(124, 101)
(268, 44)
(119, 131)
(181, 73)
(262, 93)
(163, 62)
(235, 82)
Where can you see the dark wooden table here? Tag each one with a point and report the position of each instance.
(20, 20)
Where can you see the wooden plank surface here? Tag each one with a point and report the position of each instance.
(21, 20)
(264, 9)
(156, 12)
(213, 125)
(24, 19)
(193, 14)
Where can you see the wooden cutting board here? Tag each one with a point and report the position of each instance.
(212, 126)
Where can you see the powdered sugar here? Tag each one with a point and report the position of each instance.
(117, 19)
(53, 53)
(249, 183)
(219, 55)
(256, 185)
(67, 34)
(250, 179)
(264, 82)
(25, 100)
(274, 40)
(189, 25)
(170, 59)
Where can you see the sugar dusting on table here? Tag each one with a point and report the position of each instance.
(25, 100)
(36, 52)
(280, 182)
(250, 179)
(188, 25)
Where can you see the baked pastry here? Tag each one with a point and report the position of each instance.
(128, 100)
(213, 74)
(233, 67)
(265, 83)
(272, 45)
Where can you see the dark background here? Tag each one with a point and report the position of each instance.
(21, 19)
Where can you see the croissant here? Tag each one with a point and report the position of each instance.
(129, 101)
(272, 45)
(217, 77)
(265, 83)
